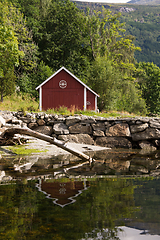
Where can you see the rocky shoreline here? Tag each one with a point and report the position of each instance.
(137, 132)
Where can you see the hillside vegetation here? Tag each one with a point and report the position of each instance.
(37, 37)
(141, 21)
(145, 2)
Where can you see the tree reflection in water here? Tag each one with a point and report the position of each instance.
(95, 206)
(26, 213)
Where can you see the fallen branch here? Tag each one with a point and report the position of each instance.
(9, 133)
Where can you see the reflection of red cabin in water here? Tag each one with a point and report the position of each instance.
(65, 89)
(63, 193)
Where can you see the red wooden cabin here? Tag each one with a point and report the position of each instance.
(65, 89)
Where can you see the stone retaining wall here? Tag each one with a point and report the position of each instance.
(136, 132)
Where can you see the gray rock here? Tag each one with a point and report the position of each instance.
(25, 119)
(107, 124)
(29, 115)
(80, 128)
(60, 128)
(147, 146)
(41, 122)
(149, 133)
(40, 115)
(138, 128)
(72, 120)
(51, 122)
(47, 130)
(58, 118)
(98, 133)
(118, 130)
(32, 125)
(154, 124)
(33, 120)
(139, 122)
(113, 142)
(7, 115)
(87, 119)
(142, 120)
(99, 126)
(77, 138)
(102, 119)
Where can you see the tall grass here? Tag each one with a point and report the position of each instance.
(25, 103)
(72, 111)
(19, 102)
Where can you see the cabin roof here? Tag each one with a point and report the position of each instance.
(63, 68)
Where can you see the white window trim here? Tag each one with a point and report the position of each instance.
(40, 98)
(85, 99)
(96, 103)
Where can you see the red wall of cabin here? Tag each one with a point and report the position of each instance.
(53, 96)
(90, 100)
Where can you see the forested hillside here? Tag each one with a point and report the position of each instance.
(145, 2)
(37, 37)
(142, 21)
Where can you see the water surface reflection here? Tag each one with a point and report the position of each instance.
(64, 198)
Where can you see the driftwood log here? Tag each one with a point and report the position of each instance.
(8, 134)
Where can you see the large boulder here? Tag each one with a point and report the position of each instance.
(72, 120)
(149, 133)
(32, 125)
(138, 128)
(154, 124)
(80, 128)
(113, 142)
(147, 146)
(77, 138)
(60, 128)
(118, 130)
(99, 126)
(47, 130)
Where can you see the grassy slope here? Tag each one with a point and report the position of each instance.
(26, 104)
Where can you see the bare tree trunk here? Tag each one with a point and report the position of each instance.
(9, 133)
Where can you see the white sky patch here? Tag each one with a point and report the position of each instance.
(104, 1)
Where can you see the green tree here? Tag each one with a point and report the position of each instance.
(105, 80)
(106, 37)
(113, 63)
(116, 93)
(148, 79)
(29, 63)
(9, 57)
(60, 34)
(130, 98)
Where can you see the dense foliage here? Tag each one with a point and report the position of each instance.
(148, 77)
(141, 21)
(93, 45)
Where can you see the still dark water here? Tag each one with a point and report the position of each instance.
(116, 197)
